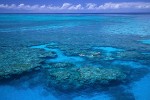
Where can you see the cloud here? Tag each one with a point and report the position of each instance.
(123, 5)
(88, 6)
(76, 7)
(66, 6)
(91, 6)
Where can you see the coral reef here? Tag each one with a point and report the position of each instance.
(15, 61)
(62, 73)
(75, 78)
(132, 55)
(58, 65)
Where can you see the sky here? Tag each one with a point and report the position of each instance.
(74, 6)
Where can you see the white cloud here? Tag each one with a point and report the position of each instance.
(3, 6)
(65, 5)
(51, 7)
(123, 5)
(91, 6)
(88, 6)
(76, 7)
(42, 7)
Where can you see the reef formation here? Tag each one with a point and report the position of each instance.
(16, 61)
(65, 76)
(94, 72)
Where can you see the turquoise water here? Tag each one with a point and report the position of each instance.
(61, 57)
(145, 41)
(35, 47)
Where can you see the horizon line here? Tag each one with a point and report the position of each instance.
(81, 13)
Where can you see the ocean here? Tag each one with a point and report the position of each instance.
(74, 56)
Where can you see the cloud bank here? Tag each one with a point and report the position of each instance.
(66, 6)
(124, 5)
(88, 6)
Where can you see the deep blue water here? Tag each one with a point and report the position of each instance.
(121, 40)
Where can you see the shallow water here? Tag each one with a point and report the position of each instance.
(85, 40)
(61, 57)
(145, 41)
